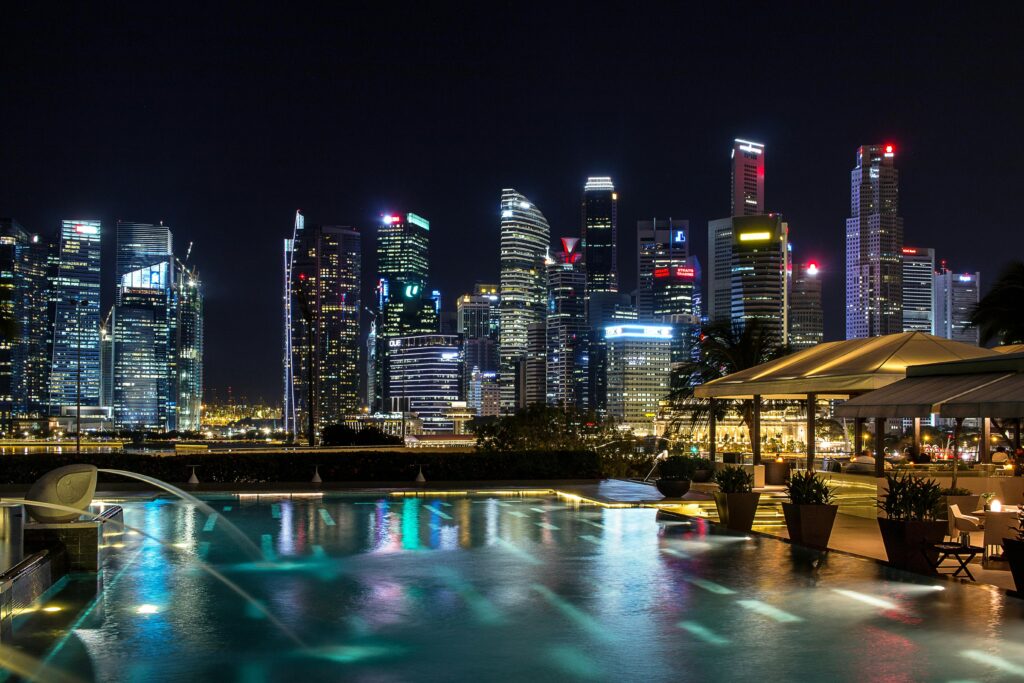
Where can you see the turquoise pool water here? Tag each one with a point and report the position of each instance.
(499, 588)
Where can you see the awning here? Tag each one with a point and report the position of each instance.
(1004, 398)
(918, 396)
(841, 369)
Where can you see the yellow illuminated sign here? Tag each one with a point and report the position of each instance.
(755, 236)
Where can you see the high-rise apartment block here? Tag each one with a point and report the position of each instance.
(918, 289)
(874, 243)
(523, 297)
(956, 295)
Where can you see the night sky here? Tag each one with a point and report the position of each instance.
(221, 122)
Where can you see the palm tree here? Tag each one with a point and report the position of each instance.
(1000, 313)
(725, 348)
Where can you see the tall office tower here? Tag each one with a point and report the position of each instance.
(760, 258)
(404, 304)
(524, 244)
(75, 311)
(639, 369)
(747, 178)
(720, 247)
(107, 360)
(806, 324)
(289, 415)
(188, 345)
(23, 306)
(140, 349)
(600, 234)
(956, 295)
(141, 345)
(531, 385)
(326, 271)
(483, 396)
(676, 289)
(661, 243)
(426, 375)
(567, 356)
(25, 359)
(874, 242)
(477, 322)
(918, 289)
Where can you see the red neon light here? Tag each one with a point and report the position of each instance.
(661, 272)
(688, 273)
(889, 149)
(909, 250)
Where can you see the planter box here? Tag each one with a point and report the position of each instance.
(1013, 552)
(906, 543)
(703, 476)
(810, 525)
(673, 488)
(736, 510)
(776, 473)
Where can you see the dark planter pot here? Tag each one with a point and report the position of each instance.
(810, 525)
(776, 473)
(673, 488)
(736, 510)
(703, 476)
(906, 543)
(1013, 552)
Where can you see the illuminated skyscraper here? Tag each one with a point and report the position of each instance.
(874, 242)
(661, 243)
(956, 295)
(188, 346)
(600, 234)
(140, 245)
(477, 322)
(760, 262)
(567, 330)
(806, 324)
(75, 311)
(639, 369)
(289, 410)
(24, 285)
(426, 375)
(747, 178)
(524, 244)
(326, 307)
(918, 289)
(141, 381)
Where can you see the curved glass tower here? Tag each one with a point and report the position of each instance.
(525, 236)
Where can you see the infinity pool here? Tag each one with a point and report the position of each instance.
(497, 588)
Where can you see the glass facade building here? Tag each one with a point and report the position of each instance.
(75, 311)
(806, 322)
(639, 366)
(187, 376)
(874, 244)
(661, 243)
(525, 236)
(956, 295)
(325, 314)
(141, 385)
(600, 233)
(918, 289)
(426, 376)
(567, 356)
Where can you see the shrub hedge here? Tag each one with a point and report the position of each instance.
(266, 467)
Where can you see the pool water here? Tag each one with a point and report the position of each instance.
(495, 588)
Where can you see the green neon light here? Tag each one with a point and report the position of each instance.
(418, 220)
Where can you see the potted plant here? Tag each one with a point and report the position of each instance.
(909, 527)
(1013, 552)
(810, 512)
(735, 498)
(675, 474)
(703, 471)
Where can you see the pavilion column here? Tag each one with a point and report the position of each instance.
(1016, 434)
(985, 441)
(812, 400)
(858, 435)
(755, 430)
(712, 424)
(879, 446)
(917, 437)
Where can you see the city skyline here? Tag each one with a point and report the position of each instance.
(241, 173)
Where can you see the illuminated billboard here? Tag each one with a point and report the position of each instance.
(663, 332)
